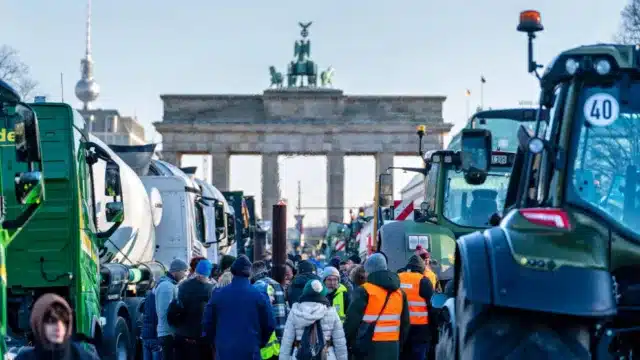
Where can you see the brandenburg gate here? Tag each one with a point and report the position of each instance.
(298, 118)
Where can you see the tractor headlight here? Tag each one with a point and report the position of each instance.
(571, 65)
(603, 66)
(536, 145)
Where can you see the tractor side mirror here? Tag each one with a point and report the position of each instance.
(385, 193)
(27, 135)
(476, 155)
(220, 215)
(114, 212)
(29, 187)
(112, 179)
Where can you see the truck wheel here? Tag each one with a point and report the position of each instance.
(118, 348)
(488, 332)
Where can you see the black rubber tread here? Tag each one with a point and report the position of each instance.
(109, 351)
(489, 333)
(445, 348)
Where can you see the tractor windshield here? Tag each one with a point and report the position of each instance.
(503, 132)
(606, 163)
(473, 205)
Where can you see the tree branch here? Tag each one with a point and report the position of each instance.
(15, 72)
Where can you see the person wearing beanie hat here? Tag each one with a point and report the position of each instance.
(241, 267)
(354, 260)
(194, 294)
(289, 273)
(260, 279)
(225, 262)
(204, 268)
(314, 310)
(344, 275)
(375, 263)
(419, 290)
(165, 293)
(192, 265)
(368, 302)
(238, 319)
(338, 295)
(306, 272)
(428, 272)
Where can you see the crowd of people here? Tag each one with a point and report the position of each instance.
(235, 310)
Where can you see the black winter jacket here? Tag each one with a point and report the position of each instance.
(73, 351)
(297, 285)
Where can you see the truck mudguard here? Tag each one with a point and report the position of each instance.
(493, 277)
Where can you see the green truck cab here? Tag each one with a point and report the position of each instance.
(58, 250)
(562, 266)
(452, 207)
(22, 144)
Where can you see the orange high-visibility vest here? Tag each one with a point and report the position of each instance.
(432, 277)
(388, 325)
(410, 284)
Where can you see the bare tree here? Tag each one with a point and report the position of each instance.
(15, 72)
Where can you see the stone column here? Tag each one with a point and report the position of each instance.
(172, 157)
(220, 169)
(270, 184)
(383, 161)
(335, 186)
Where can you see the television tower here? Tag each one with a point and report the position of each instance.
(87, 89)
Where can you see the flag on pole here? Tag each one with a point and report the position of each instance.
(482, 79)
(468, 93)
(299, 225)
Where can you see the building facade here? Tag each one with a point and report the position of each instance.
(114, 129)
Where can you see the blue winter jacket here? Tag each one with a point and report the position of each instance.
(150, 316)
(238, 321)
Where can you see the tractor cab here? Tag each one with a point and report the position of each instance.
(568, 246)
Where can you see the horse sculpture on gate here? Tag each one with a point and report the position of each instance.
(302, 66)
(276, 77)
(326, 77)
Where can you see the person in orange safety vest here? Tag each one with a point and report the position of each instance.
(428, 272)
(379, 304)
(419, 291)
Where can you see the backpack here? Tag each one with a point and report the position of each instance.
(176, 312)
(312, 344)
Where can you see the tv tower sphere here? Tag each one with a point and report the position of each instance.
(87, 90)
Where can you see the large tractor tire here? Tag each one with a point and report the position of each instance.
(119, 347)
(488, 333)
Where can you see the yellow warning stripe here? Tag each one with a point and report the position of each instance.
(3, 273)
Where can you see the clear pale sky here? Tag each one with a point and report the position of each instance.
(143, 49)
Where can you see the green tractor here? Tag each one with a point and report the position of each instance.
(454, 207)
(559, 278)
(20, 125)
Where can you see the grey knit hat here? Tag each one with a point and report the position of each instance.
(178, 265)
(375, 262)
(330, 271)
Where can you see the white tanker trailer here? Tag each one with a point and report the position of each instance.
(218, 209)
(135, 239)
(183, 231)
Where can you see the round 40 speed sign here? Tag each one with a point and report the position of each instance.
(601, 109)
